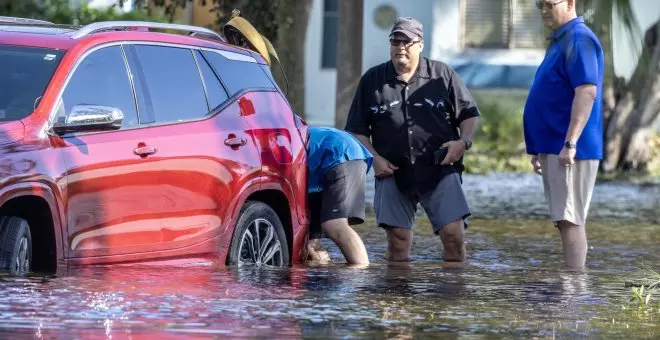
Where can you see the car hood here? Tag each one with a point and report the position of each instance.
(11, 132)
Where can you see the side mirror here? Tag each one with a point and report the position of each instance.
(90, 118)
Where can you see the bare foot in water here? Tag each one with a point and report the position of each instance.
(316, 254)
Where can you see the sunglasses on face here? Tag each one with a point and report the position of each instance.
(548, 5)
(406, 43)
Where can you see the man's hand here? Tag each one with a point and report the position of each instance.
(537, 165)
(383, 167)
(456, 149)
(567, 156)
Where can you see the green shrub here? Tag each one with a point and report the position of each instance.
(499, 142)
(60, 12)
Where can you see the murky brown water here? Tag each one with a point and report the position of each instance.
(512, 286)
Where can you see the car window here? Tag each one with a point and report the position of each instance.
(215, 92)
(101, 79)
(24, 75)
(171, 82)
(238, 74)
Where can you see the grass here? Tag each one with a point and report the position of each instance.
(499, 144)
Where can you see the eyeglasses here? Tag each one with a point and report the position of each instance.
(406, 43)
(548, 5)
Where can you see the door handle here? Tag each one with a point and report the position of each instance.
(144, 151)
(235, 142)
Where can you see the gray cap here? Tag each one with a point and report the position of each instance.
(408, 26)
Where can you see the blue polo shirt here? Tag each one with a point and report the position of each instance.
(327, 148)
(574, 58)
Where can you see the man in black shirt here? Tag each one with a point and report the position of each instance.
(417, 118)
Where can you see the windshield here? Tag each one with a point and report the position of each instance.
(24, 75)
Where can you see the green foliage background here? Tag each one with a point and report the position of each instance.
(60, 12)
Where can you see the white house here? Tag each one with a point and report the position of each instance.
(488, 42)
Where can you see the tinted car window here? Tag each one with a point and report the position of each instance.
(101, 79)
(24, 75)
(237, 74)
(215, 92)
(171, 81)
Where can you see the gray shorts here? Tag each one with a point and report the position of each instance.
(342, 197)
(444, 205)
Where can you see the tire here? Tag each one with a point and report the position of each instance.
(15, 245)
(273, 249)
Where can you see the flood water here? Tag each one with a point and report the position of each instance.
(513, 284)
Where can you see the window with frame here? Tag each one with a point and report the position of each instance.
(215, 91)
(330, 27)
(170, 84)
(502, 24)
(238, 75)
(101, 79)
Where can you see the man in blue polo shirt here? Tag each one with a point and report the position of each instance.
(563, 123)
(337, 167)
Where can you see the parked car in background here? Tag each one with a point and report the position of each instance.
(121, 143)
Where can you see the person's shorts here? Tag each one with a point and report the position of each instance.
(568, 190)
(445, 204)
(342, 197)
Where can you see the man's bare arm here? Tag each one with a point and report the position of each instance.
(583, 102)
(467, 127)
(366, 141)
(382, 167)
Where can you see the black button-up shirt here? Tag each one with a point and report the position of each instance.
(408, 122)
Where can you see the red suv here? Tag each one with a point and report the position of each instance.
(122, 143)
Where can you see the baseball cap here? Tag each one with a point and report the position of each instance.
(408, 26)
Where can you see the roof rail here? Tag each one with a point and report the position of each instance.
(123, 25)
(28, 21)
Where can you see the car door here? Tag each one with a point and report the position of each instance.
(272, 125)
(114, 199)
(206, 154)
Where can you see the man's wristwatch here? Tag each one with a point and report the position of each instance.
(468, 143)
(569, 145)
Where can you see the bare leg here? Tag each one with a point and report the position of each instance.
(574, 243)
(347, 240)
(399, 242)
(453, 242)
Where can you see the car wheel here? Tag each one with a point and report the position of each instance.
(259, 238)
(15, 245)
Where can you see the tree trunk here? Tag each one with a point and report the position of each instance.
(349, 57)
(635, 115)
(293, 17)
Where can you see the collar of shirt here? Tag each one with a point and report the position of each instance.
(422, 71)
(566, 27)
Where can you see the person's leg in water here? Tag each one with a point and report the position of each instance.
(315, 252)
(343, 205)
(348, 241)
(395, 212)
(447, 208)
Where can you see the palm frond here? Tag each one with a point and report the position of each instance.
(609, 16)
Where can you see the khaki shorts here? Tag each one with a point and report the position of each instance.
(568, 190)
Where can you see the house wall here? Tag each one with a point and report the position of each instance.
(442, 26)
(320, 83)
(376, 46)
(439, 17)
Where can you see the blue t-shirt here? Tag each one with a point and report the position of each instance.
(574, 58)
(327, 148)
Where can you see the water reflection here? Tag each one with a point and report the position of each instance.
(512, 286)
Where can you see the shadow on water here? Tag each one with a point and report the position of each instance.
(513, 285)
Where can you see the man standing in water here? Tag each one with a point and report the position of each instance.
(417, 118)
(337, 167)
(563, 123)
